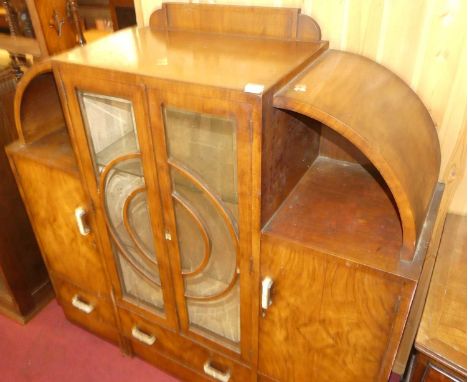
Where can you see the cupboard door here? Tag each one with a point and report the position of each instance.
(208, 219)
(116, 157)
(328, 320)
(53, 197)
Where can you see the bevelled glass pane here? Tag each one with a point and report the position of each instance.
(220, 316)
(138, 288)
(221, 266)
(110, 125)
(206, 144)
(112, 136)
(202, 157)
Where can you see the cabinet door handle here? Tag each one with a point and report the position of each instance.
(80, 305)
(267, 283)
(83, 228)
(215, 373)
(143, 337)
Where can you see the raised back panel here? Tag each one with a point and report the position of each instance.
(267, 22)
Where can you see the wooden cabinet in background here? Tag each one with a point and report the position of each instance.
(24, 283)
(246, 213)
(440, 345)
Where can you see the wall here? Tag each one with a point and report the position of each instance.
(423, 41)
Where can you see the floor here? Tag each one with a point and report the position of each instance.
(50, 349)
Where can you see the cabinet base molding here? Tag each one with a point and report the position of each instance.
(41, 297)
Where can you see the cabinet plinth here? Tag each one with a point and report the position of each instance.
(237, 233)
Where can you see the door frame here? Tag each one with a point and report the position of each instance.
(109, 83)
(242, 113)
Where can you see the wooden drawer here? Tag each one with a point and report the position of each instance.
(85, 309)
(427, 369)
(147, 337)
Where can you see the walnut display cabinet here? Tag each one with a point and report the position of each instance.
(223, 196)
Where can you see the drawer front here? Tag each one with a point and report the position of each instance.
(53, 200)
(146, 337)
(93, 313)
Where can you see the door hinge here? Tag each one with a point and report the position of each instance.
(167, 236)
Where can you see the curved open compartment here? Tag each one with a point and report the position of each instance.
(396, 152)
(40, 122)
(38, 111)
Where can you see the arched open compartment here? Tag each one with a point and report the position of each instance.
(340, 204)
(38, 111)
(363, 188)
(40, 121)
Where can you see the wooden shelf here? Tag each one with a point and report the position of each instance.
(53, 150)
(341, 209)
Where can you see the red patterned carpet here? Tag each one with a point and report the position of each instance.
(50, 349)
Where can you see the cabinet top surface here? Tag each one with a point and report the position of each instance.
(223, 61)
(442, 332)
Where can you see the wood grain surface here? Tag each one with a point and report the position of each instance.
(37, 106)
(279, 23)
(422, 41)
(185, 57)
(361, 100)
(52, 197)
(442, 332)
(329, 320)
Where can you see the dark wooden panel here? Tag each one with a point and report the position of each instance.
(22, 266)
(442, 331)
(290, 143)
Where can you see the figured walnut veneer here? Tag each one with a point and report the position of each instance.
(359, 99)
(334, 196)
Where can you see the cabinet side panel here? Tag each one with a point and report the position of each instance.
(290, 143)
(329, 320)
(20, 258)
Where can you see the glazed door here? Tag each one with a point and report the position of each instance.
(109, 123)
(203, 151)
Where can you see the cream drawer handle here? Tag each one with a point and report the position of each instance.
(80, 305)
(83, 228)
(215, 373)
(147, 339)
(267, 283)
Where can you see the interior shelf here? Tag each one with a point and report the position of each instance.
(126, 144)
(343, 209)
(53, 150)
